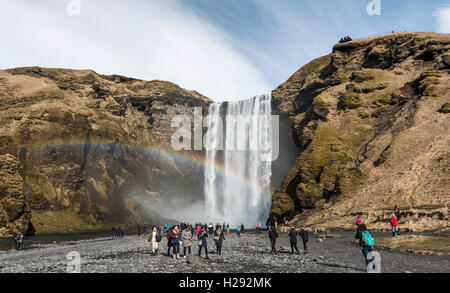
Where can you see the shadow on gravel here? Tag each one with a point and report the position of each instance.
(332, 265)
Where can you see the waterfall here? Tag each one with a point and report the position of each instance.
(237, 171)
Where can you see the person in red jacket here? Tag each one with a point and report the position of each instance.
(169, 243)
(394, 224)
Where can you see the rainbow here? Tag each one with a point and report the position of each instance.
(179, 156)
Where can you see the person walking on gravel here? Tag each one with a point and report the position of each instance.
(305, 237)
(365, 241)
(202, 242)
(293, 239)
(175, 241)
(186, 238)
(219, 237)
(273, 235)
(394, 225)
(238, 231)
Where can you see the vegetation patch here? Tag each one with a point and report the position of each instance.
(349, 101)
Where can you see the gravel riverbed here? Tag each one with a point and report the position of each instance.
(250, 253)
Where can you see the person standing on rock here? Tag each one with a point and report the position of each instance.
(18, 240)
(219, 237)
(397, 212)
(175, 240)
(365, 241)
(202, 242)
(186, 238)
(394, 225)
(305, 237)
(273, 235)
(293, 239)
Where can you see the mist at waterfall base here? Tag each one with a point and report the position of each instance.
(236, 183)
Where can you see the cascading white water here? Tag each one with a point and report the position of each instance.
(238, 164)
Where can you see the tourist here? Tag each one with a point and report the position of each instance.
(365, 241)
(18, 240)
(238, 230)
(210, 230)
(394, 225)
(113, 232)
(175, 241)
(218, 239)
(273, 235)
(256, 226)
(228, 227)
(138, 230)
(358, 220)
(154, 238)
(304, 235)
(202, 242)
(144, 228)
(397, 212)
(293, 239)
(186, 238)
(169, 243)
(285, 220)
(275, 220)
(242, 227)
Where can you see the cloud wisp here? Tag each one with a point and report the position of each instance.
(142, 39)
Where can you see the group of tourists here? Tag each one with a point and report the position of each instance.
(366, 241)
(118, 231)
(182, 235)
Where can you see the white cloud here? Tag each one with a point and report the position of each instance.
(144, 39)
(443, 19)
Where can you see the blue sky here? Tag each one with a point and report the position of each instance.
(225, 49)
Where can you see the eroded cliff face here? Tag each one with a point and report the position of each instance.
(92, 148)
(371, 122)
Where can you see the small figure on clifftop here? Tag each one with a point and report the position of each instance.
(305, 238)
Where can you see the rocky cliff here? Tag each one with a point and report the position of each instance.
(84, 151)
(372, 122)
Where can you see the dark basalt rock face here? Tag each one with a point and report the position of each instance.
(91, 148)
(369, 120)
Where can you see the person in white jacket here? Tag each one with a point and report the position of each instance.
(153, 239)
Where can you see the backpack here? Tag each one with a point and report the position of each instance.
(367, 239)
(158, 237)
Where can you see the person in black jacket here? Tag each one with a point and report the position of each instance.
(202, 242)
(304, 235)
(273, 235)
(219, 237)
(293, 239)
